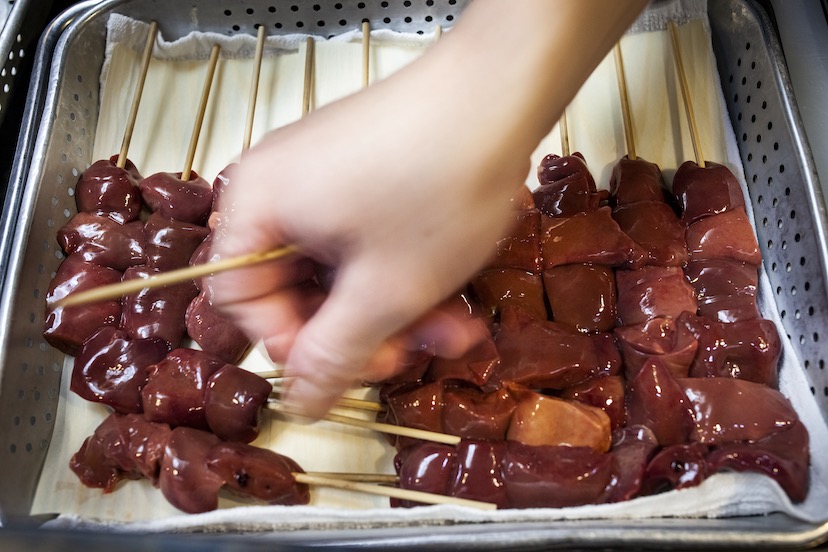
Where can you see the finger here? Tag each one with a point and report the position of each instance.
(277, 318)
(445, 331)
(331, 352)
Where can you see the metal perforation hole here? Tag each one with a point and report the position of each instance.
(48, 417)
(775, 202)
(764, 159)
(783, 314)
(271, 9)
(753, 118)
(747, 99)
(784, 245)
(300, 24)
(793, 290)
(811, 311)
(236, 28)
(739, 63)
(773, 267)
(788, 267)
(781, 169)
(250, 11)
(28, 447)
(798, 314)
(793, 214)
(750, 158)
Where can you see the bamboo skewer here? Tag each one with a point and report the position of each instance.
(136, 98)
(685, 93)
(128, 287)
(375, 426)
(381, 478)
(307, 90)
(438, 33)
(343, 402)
(254, 88)
(393, 492)
(564, 129)
(625, 102)
(205, 96)
(366, 53)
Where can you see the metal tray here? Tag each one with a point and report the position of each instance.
(30, 122)
(784, 193)
(22, 28)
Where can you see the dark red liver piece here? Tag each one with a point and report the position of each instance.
(606, 393)
(521, 247)
(590, 237)
(104, 189)
(554, 168)
(783, 456)
(232, 402)
(725, 236)
(498, 288)
(427, 467)
(676, 467)
(475, 367)
(111, 368)
(566, 187)
(582, 296)
(654, 227)
(706, 191)
(657, 401)
(541, 354)
(632, 448)
(175, 391)
(726, 289)
(473, 414)
(145, 444)
(185, 480)
(420, 407)
(171, 243)
(554, 477)
(100, 240)
(173, 198)
(651, 292)
(156, 312)
(661, 337)
(98, 462)
(67, 328)
(633, 181)
(728, 410)
(214, 331)
(747, 350)
(478, 472)
(258, 473)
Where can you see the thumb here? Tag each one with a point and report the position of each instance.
(332, 351)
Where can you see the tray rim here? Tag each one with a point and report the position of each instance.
(526, 533)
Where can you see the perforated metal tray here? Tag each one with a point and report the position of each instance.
(783, 190)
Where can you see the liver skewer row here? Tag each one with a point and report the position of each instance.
(191, 467)
(741, 426)
(103, 239)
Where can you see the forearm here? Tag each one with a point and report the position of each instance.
(511, 68)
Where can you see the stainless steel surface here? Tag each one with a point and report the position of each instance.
(21, 30)
(30, 122)
(31, 370)
(785, 193)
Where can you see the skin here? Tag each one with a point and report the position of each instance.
(404, 188)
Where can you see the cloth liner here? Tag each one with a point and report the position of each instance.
(722, 495)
